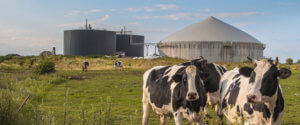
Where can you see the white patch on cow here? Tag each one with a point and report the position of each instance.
(216, 67)
(226, 81)
(191, 72)
(174, 69)
(262, 67)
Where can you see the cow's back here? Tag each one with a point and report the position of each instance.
(157, 88)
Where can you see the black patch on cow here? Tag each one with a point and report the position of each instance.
(269, 83)
(248, 109)
(245, 71)
(159, 87)
(220, 69)
(252, 77)
(224, 70)
(236, 76)
(237, 108)
(279, 105)
(262, 108)
(224, 103)
(234, 92)
(179, 96)
(211, 83)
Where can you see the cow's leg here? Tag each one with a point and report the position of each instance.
(178, 118)
(206, 111)
(162, 120)
(146, 111)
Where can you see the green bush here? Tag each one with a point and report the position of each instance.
(45, 67)
(2, 59)
(289, 61)
(298, 61)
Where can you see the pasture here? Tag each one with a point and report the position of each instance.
(100, 96)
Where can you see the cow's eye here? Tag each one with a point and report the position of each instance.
(255, 65)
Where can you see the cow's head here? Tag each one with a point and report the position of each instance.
(263, 79)
(188, 78)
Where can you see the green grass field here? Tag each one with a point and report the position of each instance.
(101, 96)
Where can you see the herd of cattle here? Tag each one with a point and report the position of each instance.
(117, 65)
(244, 96)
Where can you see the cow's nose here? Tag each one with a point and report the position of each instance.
(192, 96)
(251, 98)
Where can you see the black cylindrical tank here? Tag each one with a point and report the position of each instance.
(132, 45)
(89, 42)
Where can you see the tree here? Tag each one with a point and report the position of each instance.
(289, 61)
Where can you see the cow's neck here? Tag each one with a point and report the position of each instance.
(271, 103)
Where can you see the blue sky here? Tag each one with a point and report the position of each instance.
(31, 26)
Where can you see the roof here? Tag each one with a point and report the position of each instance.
(211, 29)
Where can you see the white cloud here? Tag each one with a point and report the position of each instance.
(74, 13)
(199, 15)
(285, 3)
(174, 16)
(177, 16)
(104, 18)
(204, 10)
(243, 24)
(22, 41)
(154, 8)
(91, 11)
(134, 9)
(238, 14)
(135, 24)
(148, 9)
(81, 24)
(87, 12)
(167, 6)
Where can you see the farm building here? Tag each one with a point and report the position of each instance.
(213, 39)
(132, 45)
(88, 41)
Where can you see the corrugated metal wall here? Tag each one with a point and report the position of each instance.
(212, 51)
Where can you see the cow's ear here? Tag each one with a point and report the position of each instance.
(245, 71)
(284, 73)
(177, 78)
(200, 63)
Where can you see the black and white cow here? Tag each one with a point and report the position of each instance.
(173, 91)
(254, 96)
(118, 64)
(85, 65)
(212, 75)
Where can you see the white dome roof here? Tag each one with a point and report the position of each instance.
(211, 29)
